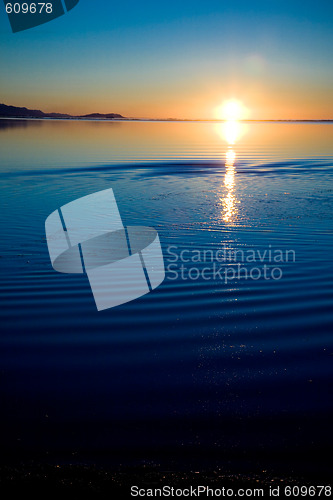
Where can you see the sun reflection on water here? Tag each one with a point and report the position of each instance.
(229, 201)
(231, 131)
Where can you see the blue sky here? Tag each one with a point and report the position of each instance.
(175, 59)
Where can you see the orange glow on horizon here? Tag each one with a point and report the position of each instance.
(261, 103)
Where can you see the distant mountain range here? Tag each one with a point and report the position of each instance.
(15, 112)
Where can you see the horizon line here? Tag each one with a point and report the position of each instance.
(125, 118)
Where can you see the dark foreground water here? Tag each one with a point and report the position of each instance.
(209, 370)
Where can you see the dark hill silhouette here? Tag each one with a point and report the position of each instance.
(101, 116)
(16, 112)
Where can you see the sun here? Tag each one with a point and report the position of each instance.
(231, 110)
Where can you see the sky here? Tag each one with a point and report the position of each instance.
(175, 59)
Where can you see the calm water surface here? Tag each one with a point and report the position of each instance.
(205, 371)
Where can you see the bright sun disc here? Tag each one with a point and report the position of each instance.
(232, 110)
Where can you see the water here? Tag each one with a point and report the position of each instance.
(206, 371)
